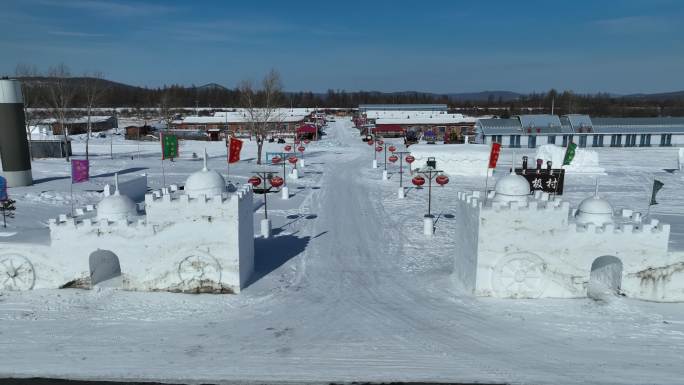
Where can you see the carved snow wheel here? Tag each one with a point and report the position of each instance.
(16, 273)
(199, 270)
(520, 275)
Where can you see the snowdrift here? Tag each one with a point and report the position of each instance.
(454, 159)
(585, 161)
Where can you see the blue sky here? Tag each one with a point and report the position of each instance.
(617, 46)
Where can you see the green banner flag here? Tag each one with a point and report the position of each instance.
(169, 146)
(569, 154)
(657, 185)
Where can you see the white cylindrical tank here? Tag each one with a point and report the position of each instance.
(14, 149)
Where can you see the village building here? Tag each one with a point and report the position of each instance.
(79, 125)
(533, 130)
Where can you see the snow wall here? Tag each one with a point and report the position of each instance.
(454, 159)
(585, 161)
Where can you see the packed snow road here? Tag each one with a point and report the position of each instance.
(347, 290)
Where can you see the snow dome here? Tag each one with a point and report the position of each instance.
(594, 210)
(205, 182)
(116, 206)
(512, 188)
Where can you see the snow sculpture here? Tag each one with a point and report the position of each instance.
(198, 241)
(585, 161)
(529, 246)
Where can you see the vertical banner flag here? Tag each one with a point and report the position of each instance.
(569, 153)
(169, 146)
(3, 189)
(80, 170)
(234, 148)
(494, 155)
(657, 185)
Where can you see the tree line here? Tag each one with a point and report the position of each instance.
(113, 94)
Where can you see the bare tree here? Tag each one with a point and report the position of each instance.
(166, 104)
(60, 95)
(93, 87)
(261, 107)
(31, 93)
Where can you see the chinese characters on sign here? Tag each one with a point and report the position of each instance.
(544, 180)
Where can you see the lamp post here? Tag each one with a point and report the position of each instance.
(274, 181)
(430, 172)
(400, 155)
(276, 160)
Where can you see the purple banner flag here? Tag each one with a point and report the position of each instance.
(80, 171)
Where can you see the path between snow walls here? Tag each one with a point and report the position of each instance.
(343, 307)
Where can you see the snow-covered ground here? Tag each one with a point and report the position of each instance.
(348, 289)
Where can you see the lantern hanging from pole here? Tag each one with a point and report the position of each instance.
(370, 142)
(442, 179)
(288, 148)
(380, 142)
(276, 181)
(392, 148)
(379, 148)
(254, 181)
(410, 159)
(307, 141)
(301, 148)
(292, 159)
(296, 141)
(393, 158)
(276, 159)
(418, 180)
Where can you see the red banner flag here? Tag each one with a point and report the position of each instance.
(80, 170)
(234, 149)
(494, 155)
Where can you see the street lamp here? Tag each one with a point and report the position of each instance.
(276, 160)
(400, 155)
(430, 172)
(274, 181)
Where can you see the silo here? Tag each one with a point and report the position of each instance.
(14, 149)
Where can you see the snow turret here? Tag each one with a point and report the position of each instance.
(116, 206)
(594, 210)
(512, 188)
(205, 182)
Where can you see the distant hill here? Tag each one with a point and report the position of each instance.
(678, 95)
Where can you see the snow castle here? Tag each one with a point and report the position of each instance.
(197, 240)
(518, 245)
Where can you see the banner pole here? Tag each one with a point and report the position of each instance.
(71, 193)
(648, 210)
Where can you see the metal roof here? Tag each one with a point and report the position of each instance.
(578, 120)
(542, 121)
(403, 107)
(513, 126)
(664, 125)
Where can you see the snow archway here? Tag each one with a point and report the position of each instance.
(605, 278)
(104, 265)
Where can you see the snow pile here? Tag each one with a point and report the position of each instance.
(585, 161)
(454, 159)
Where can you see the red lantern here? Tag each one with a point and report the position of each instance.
(418, 180)
(410, 159)
(288, 148)
(277, 181)
(296, 141)
(301, 148)
(442, 180)
(379, 148)
(392, 148)
(307, 141)
(276, 159)
(254, 181)
(393, 158)
(292, 159)
(380, 142)
(370, 142)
